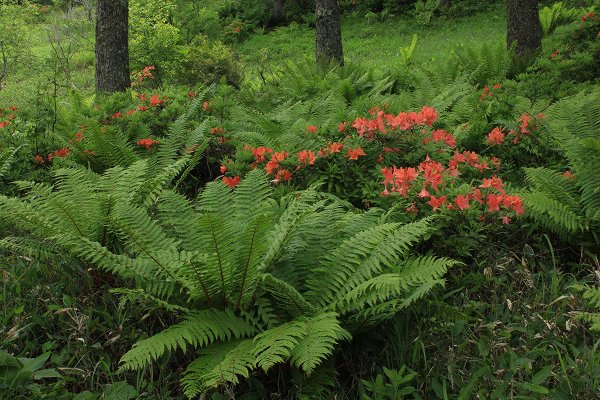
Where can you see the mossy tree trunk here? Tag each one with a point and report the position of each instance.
(278, 12)
(524, 30)
(112, 50)
(329, 33)
(444, 4)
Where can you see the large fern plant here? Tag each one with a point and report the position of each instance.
(255, 282)
(569, 205)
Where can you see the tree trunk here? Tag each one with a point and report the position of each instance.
(524, 30)
(329, 32)
(444, 4)
(278, 12)
(112, 50)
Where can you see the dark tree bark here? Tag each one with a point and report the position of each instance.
(444, 4)
(278, 12)
(112, 49)
(524, 28)
(329, 32)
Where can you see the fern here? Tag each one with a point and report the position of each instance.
(321, 335)
(217, 365)
(570, 207)
(256, 282)
(592, 295)
(7, 157)
(198, 330)
(555, 16)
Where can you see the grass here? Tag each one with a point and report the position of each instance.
(377, 43)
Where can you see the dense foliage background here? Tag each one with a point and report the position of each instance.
(419, 223)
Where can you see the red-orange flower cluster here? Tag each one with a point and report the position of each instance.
(147, 143)
(61, 153)
(496, 136)
(231, 181)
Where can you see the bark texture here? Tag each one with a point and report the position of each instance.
(112, 49)
(278, 11)
(329, 32)
(524, 26)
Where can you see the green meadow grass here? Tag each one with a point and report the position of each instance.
(377, 43)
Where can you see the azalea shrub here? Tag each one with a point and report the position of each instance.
(572, 58)
(404, 161)
(116, 129)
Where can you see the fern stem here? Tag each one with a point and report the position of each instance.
(143, 249)
(245, 275)
(220, 262)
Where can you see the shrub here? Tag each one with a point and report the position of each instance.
(209, 62)
(153, 40)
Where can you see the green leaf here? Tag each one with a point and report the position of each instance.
(534, 388)
(119, 391)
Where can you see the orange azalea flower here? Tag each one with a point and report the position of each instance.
(462, 202)
(311, 128)
(280, 155)
(306, 157)
(496, 136)
(436, 203)
(271, 166)
(427, 116)
(334, 147)
(494, 201)
(147, 143)
(494, 182)
(156, 101)
(283, 175)
(353, 154)
(259, 153)
(231, 182)
(514, 203)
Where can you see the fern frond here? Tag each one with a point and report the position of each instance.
(251, 194)
(323, 332)
(361, 257)
(198, 330)
(552, 213)
(219, 364)
(287, 297)
(139, 295)
(7, 157)
(276, 345)
(554, 185)
(413, 274)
